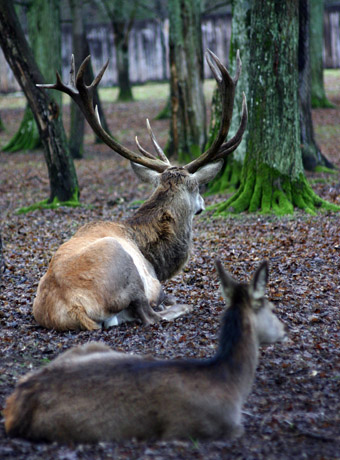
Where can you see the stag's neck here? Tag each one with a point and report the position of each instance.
(163, 235)
(237, 354)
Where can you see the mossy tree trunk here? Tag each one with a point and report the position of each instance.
(272, 176)
(188, 118)
(2, 127)
(311, 154)
(230, 176)
(62, 175)
(43, 20)
(319, 98)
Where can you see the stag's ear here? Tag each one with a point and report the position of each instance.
(259, 281)
(208, 172)
(227, 282)
(145, 174)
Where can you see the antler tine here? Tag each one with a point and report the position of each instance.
(227, 87)
(143, 151)
(158, 149)
(82, 94)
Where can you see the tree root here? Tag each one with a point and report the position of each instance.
(228, 180)
(266, 191)
(27, 137)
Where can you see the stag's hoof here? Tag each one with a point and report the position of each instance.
(175, 311)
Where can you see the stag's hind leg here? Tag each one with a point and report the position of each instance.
(144, 310)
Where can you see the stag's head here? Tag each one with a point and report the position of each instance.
(156, 168)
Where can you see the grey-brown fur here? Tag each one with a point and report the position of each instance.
(116, 276)
(92, 393)
(111, 272)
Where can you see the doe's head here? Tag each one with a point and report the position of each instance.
(252, 299)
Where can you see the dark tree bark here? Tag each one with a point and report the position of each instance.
(319, 98)
(2, 127)
(81, 50)
(188, 118)
(311, 154)
(122, 16)
(62, 175)
(77, 126)
(272, 176)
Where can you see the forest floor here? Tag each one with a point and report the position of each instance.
(294, 407)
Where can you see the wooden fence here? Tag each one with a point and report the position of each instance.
(148, 49)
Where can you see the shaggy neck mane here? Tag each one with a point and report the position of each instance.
(162, 230)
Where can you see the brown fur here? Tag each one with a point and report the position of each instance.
(91, 393)
(107, 267)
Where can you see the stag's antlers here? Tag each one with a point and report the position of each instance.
(83, 96)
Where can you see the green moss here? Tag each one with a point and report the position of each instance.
(56, 203)
(185, 157)
(321, 103)
(27, 137)
(324, 169)
(229, 180)
(267, 191)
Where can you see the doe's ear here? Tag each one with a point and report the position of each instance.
(208, 172)
(227, 282)
(145, 174)
(259, 281)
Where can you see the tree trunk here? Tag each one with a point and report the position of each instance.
(319, 98)
(77, 125)
(122, 15)
(188, 118)
(230, 176)
(43, 20)
(311, 154)
(2, 127)
(272, 176)
(62, 175)
(121, 41)
(81, 50)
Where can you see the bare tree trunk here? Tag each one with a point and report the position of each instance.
(121, 40)
(122, 16)
(311, 154)
(62, 175)
(188, 119)
(319, 98)
(77, 127)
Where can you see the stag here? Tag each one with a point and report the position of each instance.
(92, 393)
(110, 272)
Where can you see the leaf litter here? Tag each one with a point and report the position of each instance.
(294, 407)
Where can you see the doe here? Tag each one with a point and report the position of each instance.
(91, 393)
